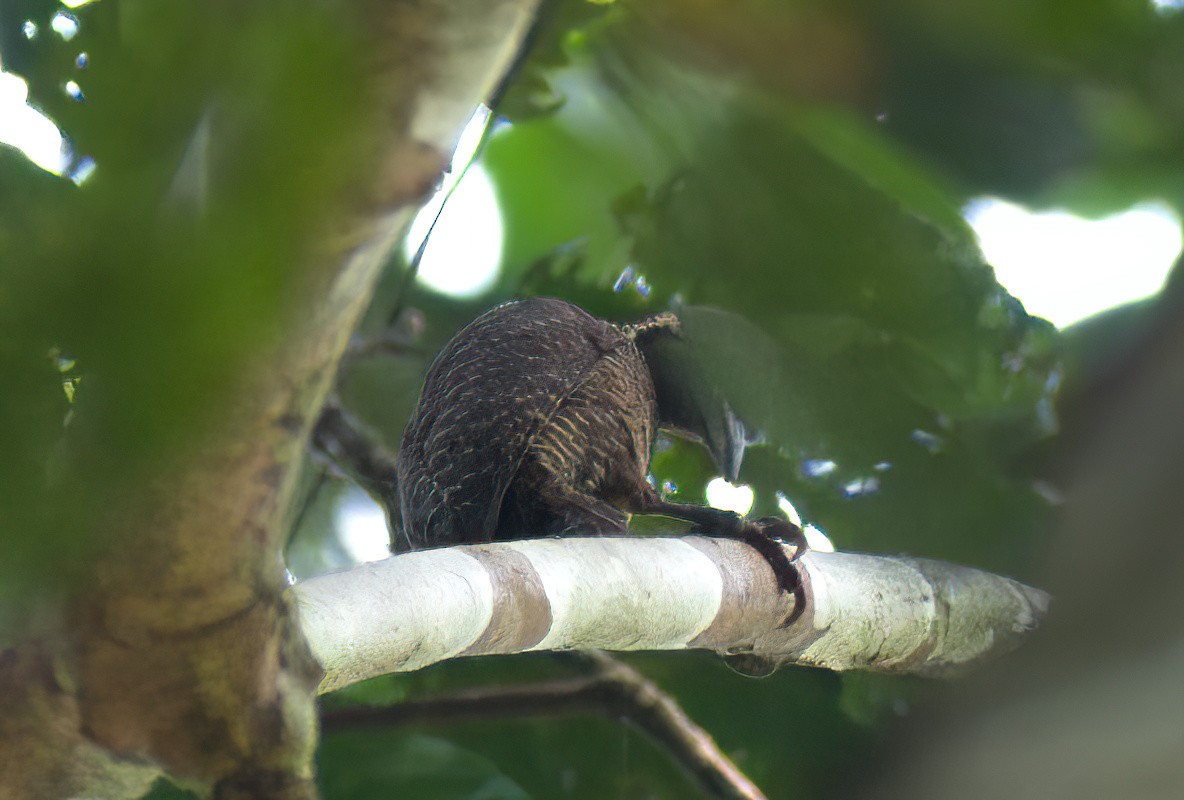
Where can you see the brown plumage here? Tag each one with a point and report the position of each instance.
(537, 419)
(531, 419)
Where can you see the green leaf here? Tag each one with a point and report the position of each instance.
(366, 764)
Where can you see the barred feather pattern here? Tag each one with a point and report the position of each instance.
(587, 468)
(536, 418)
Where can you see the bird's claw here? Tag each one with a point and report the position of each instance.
(766, 535)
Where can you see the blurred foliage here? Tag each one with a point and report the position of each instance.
(799, 164)
(170, 267)
(365, 764)
(804, 165)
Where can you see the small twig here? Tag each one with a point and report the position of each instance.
(537, 700)
(641, 702)
(387, 343)
(401, 337)
(613, 689)
(357, 452)
(456, 173)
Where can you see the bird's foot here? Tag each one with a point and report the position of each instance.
(767, 536)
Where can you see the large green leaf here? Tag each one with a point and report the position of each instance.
(366, 764)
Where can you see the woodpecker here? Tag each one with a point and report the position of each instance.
(538, 419)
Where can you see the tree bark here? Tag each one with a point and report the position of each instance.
(178, 653)
(883, 613)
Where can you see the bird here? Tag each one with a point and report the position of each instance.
(539, 419)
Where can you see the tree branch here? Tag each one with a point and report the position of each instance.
(356, 452)
(883, 613)
(614, 690)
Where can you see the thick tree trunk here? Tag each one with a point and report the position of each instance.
(179, 654)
